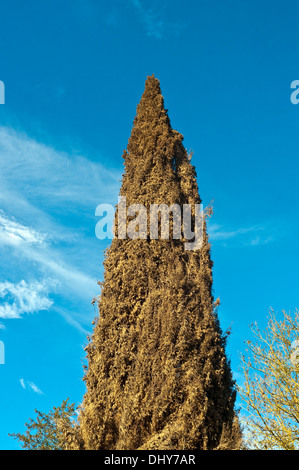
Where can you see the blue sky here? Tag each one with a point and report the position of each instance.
(74, 72)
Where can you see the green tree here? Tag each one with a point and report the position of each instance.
(157, 375)
(45, 432)
(271, 380)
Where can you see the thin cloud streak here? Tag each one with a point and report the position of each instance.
(217, 232)
(45, 255)
(254, 235)
(14, 233)
(51, 175)
(47, 219)
(26, 384)
(21, 298)
(155, 25)
(35, 388)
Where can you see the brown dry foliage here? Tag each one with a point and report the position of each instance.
(157, 375)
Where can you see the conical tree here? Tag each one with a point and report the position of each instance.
(157, 374)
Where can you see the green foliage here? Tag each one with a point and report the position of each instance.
(270, 389)
(157, 375)
(44, 432)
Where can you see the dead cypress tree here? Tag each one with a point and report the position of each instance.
(157, 374)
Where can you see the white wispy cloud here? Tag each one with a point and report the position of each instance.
(261, 240)
(47, 220)
(26, 384)
(33, 169)
(63, 278)
(155, 24)
(220, 232)
(253, 235)
(51, 260)
(21, 298)
(14, 233)
(22, 382)
(35, 388)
